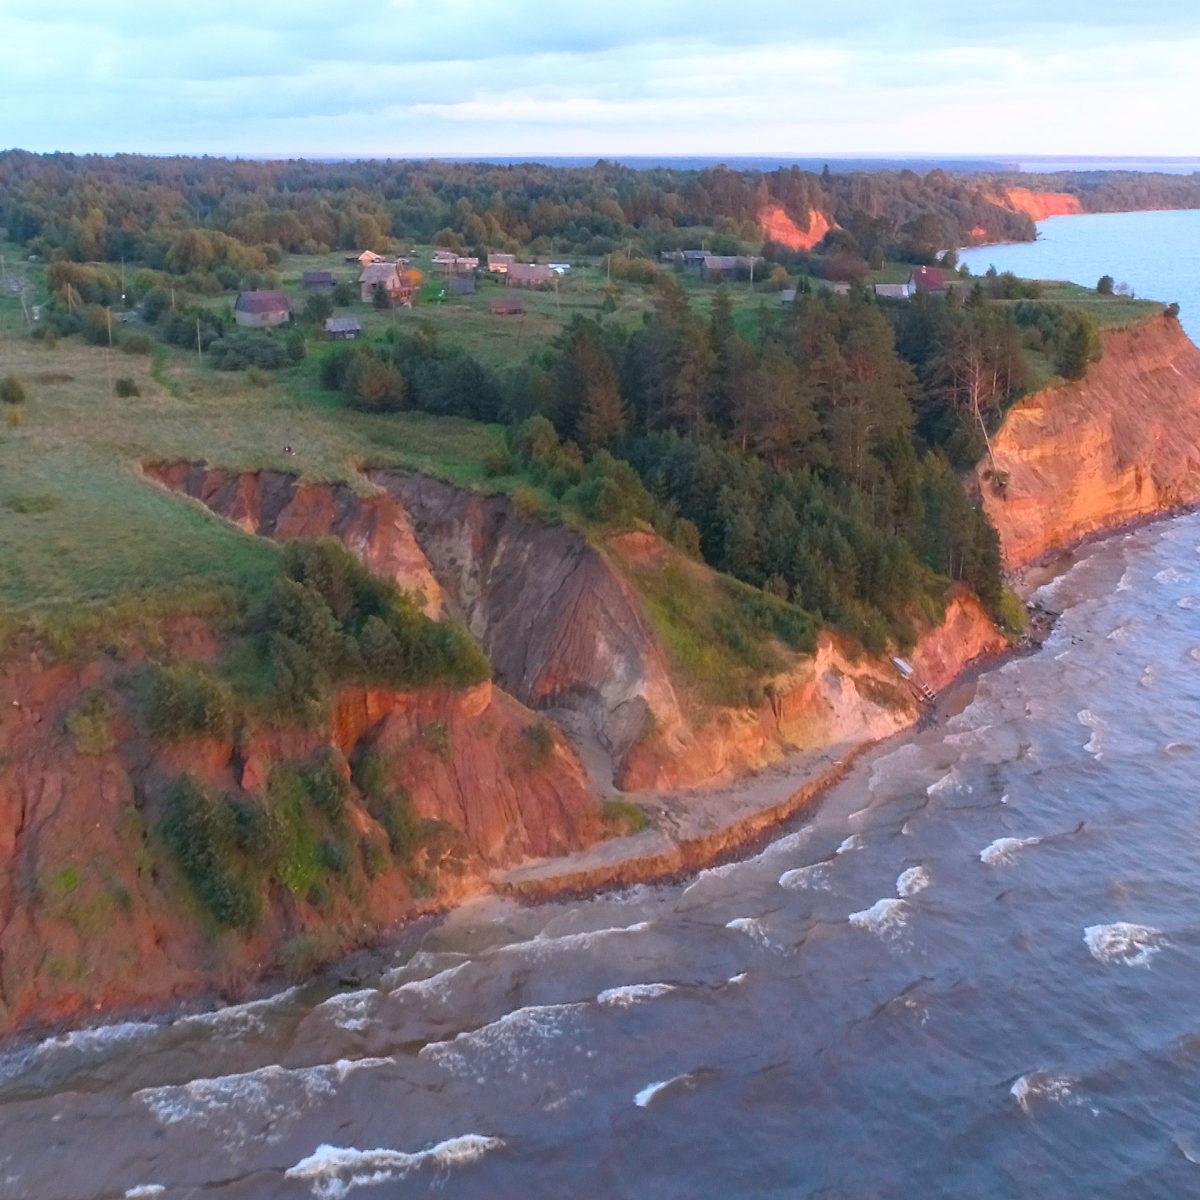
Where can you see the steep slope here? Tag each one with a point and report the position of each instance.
(94, 912)
(777, 226)
(1040, 205)
(1121, 443)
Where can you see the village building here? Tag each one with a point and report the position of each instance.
(507, 306)
(317, 281)
(398, 284)
(446, 262)
(460, 285)
(342, 329)
(930, 280)
(262, 309)
(369, 256)
(529, 275)
(500, 262)
(895, 291)
(727, 266)
(839, 287)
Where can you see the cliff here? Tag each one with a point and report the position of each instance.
(777, 226)
(1078, 458)
(1040, 205)
(94, 912)
(96, 908)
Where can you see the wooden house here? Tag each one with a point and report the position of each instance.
(342, 329)
(446, 262)
(262, 309)
(317, 281)
(460, 285)
(500, 262)
(398, 284)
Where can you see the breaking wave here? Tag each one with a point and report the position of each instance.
(1003, 850)
(1122, 942)
(648, 1093)
(508, 1042)
(912, 881)
(331, 1171)
(633, 993)
(886, 917)
(853, 842)
(815, 876)
(1042, 1085)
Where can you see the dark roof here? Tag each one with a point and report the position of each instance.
(318, 277)
(263, 302)
(343, 325)
(929, 279)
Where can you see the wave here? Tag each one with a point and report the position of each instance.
(1042, 1085)
(351, 1010)
(541, 945)
(98, 1040)
(234, 1020)
(740, 977)
(643, 1098)
(1123, 942)
(508, 1041)
(912, 881)
(755, 928)
(235, 1108)
(144, 1191)
(434, 986)
(853, 842)
(815, 877)
(947, 783)
(1188, 603)
(1171, 575)
(1125, 583)
(1003, 850)
(885, 917)
(331, 1171)
(633, 993)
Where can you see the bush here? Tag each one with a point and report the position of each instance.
(126, 387)
(13, 390)
(137, 343)
(198, 830)
(1105, 285)
(239, 351)
(256, 377)
(296, 349)
(90, 723)
(539, 743)
(184, 701)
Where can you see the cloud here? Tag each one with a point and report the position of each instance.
(465, 77)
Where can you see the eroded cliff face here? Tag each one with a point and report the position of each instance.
(278, 505)
(779, 227)
(835, 697)
(1040, 205)
(1121, 443)
(93, 910)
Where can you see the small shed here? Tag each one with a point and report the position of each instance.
(500, 262)
(894, 291)
(369, 256)
(787, 296)
(507, 306)
(317, 281)
(262, 309)
(342, 329)
(460, 285)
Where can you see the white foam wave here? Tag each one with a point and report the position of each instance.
(1123, 942)
(433, 987)
(912, 881)
(1003, 850)
(234, 1020)
(261, 1103)
(755, 928)
(544, 945)
(643, 1098)
(1171, 575)
(853, 842)
(508, 1042)
(350, 1010)
(1149, 677)
(331, 1171)
(633, 993)
(947, 783)
(885, 917)
(1125, 583)
(1042, 1085)
(740, 977)
(1188, 602)
(143, 1191)
(816, 876)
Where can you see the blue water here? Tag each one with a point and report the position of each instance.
(1156, 253)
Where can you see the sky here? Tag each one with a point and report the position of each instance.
(416, 78)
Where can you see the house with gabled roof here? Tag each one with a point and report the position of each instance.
(262, 309)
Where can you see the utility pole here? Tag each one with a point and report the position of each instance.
(199, 355)
(108, 356)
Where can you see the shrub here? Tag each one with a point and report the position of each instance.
(539, 743)
(256, 377)
(126, 387)
(184, 701)
(13, 390)
(89, 723)
(137, 343)
(1105, 285)
(242, 350)
(622, 816)
(197, 829)
(296, 349)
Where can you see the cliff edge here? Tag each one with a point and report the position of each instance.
(1078, 458)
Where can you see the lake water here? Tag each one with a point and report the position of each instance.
(1156, 253)
(972, 971)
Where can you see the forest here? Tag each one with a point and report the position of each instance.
(817, 457)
